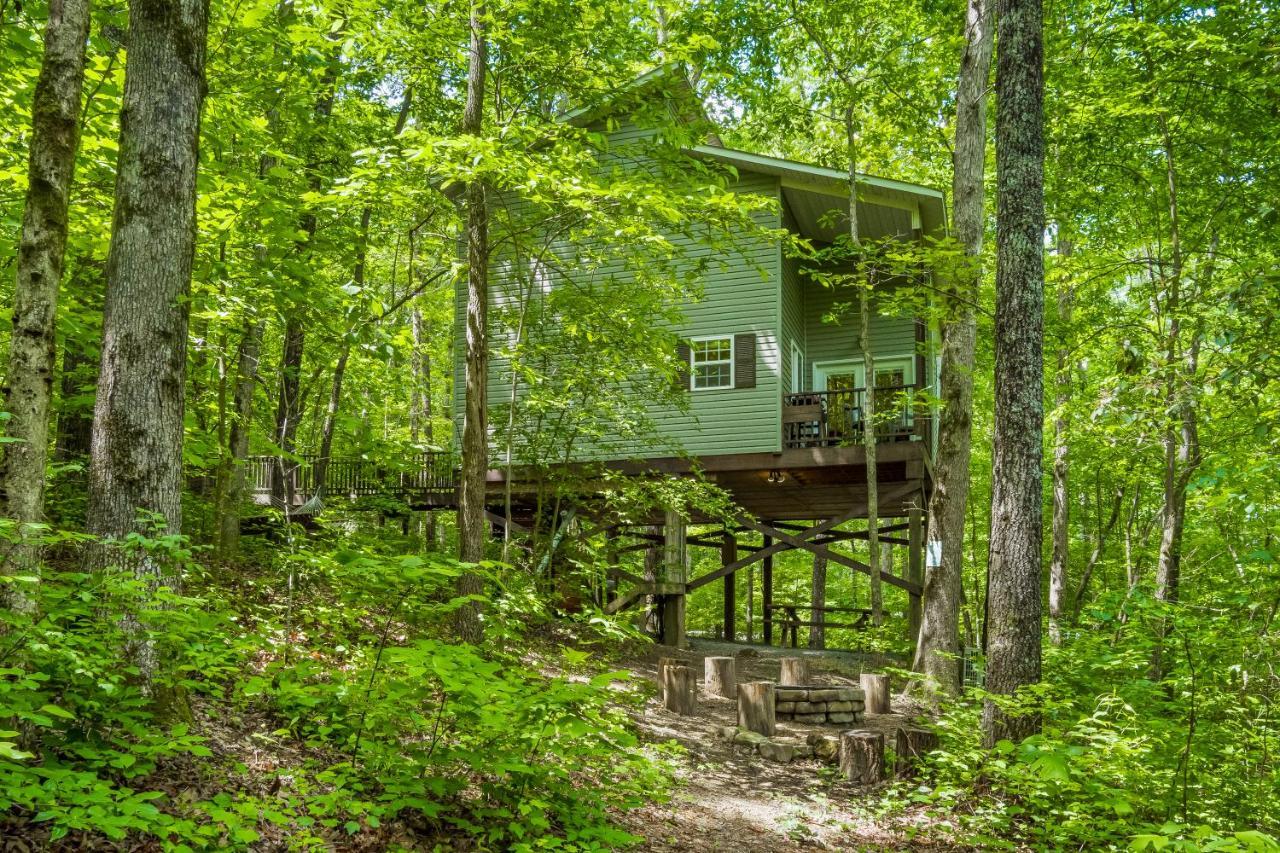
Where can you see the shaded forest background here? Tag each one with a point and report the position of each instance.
(333, 149)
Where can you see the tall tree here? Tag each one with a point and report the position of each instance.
(55, 138)
(1014, 566)
(475, 438)
(938, 647)
(136, 462)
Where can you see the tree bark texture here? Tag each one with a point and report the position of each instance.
(679, 690)
(1061, 475)
(231, 479)
(793, 672)
(862, 757)
(876, 687)
(28, 391)
(475, 439)
(720, 675)
(756, 709)
(136, 461)
(1014, 567)
(818, 598)
(938, 645)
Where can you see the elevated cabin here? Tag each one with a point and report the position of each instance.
(776, 388)
(775, 376)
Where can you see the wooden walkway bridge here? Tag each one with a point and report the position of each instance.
(423, 480)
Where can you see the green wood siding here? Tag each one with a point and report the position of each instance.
(740, 294)
(827, 342)
(792, 314)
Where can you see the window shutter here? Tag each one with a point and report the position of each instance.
(744, 360)
(681, 379)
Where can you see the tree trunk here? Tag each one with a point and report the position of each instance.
(231, 477)
(679, 690)
(1061, 467)
(136, 462)
(475, 439)
(869, 372)
(721, 676)
(876, 687)
(938, 646)
(340, 369)
(288, 412)
(862, 757)
(756, 709)
(1013, 599)
(818, 598)
(28, 391)
(910, 747)
(793, 672)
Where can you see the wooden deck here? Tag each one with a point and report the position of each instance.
(819, 472)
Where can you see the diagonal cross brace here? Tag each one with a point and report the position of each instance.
(823, 551)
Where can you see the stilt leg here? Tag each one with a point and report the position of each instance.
(729, 554)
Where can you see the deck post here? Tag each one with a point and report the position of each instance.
(766, 593)
(915, 574)
(729, 554)
(674, 574)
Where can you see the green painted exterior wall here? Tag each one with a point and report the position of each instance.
(753, 287)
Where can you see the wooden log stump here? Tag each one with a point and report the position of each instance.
(862, 757)
(795, 672)
(911, 746)
(721, 676)
(664, 662)
(755, 707)
(876, 686)
(679, 693)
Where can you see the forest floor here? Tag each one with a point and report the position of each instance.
(731, 799)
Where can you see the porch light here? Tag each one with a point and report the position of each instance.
(776, 476)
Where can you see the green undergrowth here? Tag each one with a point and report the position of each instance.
(314, 696)
(1127, 758)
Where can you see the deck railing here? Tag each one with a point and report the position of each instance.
(418, 474)
(838, 418)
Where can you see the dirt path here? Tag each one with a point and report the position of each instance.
(734, 800)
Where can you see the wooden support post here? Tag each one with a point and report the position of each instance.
(911, 746)
(679, 690)
(766, 593)
(755, 707)
(729, 554)
(876, 686)
(862, 757)
(795, 672)
(720, 676)
(915, 572)
(674, 572)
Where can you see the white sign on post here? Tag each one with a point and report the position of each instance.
(933, 554)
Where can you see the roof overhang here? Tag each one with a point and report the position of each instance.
(819, 197)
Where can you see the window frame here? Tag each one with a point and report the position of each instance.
(693, 363)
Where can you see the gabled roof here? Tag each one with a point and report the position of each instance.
(813, 193)
(670, 79)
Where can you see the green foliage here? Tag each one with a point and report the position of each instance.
(1183, 762)
(342, 656)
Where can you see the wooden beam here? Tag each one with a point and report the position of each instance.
(834, 556)
(766, 589)
(500, 520)
(769, 550)
(729, 555)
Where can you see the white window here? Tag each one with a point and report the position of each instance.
(797, 369)
(711, 362)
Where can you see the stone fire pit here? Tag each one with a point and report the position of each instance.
(820, 705)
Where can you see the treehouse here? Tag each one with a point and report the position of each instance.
(771, 391)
